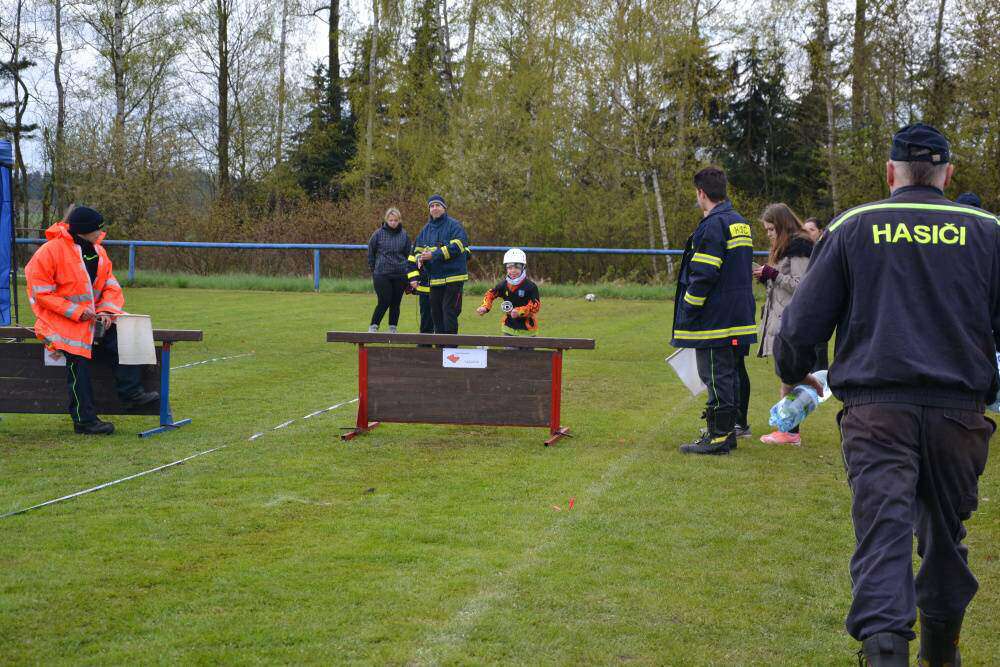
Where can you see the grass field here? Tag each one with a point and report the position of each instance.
(432, 545)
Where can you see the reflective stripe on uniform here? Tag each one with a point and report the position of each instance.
(54, 337)
(716, 333)
(78, 298)
(40, 289)
(518, 332)
(413, 274)
(739, 242)
(450, 279)
(911, 207)
(707, 259)
(107, 304)
(445, 253)
(111, 282)
(69, 311)
(461, 246)
(694, 300)
(424, 288)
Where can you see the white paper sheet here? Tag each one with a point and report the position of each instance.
(685, 364)
(135, 340)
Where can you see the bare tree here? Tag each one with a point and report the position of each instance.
(826, 46)
(223, 10)
(18, 42)
(282, 93)
(370, 120)
(134, 37)
(859, 64)
(59, 149)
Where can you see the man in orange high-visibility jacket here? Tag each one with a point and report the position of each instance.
(73, 292)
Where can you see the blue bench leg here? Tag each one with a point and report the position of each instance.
(167, 422)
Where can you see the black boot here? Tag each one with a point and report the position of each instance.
(885, 649)
(939, 643)
(140, 399)
(96, 427)
(720, 437)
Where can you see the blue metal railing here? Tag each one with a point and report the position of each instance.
(316, 248)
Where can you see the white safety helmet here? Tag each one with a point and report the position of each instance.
(515, 256)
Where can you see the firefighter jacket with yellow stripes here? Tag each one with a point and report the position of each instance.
(521, 300)
(714, 305)
(415, 271)
(445, 238)
(912, 286)
(60, 290)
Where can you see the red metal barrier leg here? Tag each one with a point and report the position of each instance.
(362, 425)
(555, 429)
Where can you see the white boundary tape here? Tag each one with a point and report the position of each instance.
(210, 361)
(308, 416)
(107, 484)
(166, 465)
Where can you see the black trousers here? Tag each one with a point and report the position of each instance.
(426, 321)
(743, 418)
(719, 369)
(389, 290)
(128, 381)
(446, 306)
(911, 469)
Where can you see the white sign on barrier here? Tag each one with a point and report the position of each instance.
(53, 357)
(452, 357)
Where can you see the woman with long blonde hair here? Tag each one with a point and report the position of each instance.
(786, 264)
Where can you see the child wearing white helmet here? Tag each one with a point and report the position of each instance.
(520, 301)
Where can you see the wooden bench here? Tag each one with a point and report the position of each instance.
(404, 378)
(28, 386)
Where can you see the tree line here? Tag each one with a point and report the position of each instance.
(543, 122)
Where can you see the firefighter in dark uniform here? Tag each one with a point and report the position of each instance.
(714, 309)
(442, 250)
(912, 286)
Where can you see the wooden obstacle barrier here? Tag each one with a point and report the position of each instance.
(28, 386)
(428, 379)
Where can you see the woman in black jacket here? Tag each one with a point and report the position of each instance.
(388, 250)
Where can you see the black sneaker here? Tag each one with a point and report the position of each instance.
(96, 427)
(711, 444)
(141, 399)
(704, 433)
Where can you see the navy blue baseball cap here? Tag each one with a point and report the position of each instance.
(920, 143)
(969, 199)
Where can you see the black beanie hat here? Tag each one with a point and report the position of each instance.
(83, 220)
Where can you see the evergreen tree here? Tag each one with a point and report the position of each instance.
(322, 150)
(759, 138)
(10, 71)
